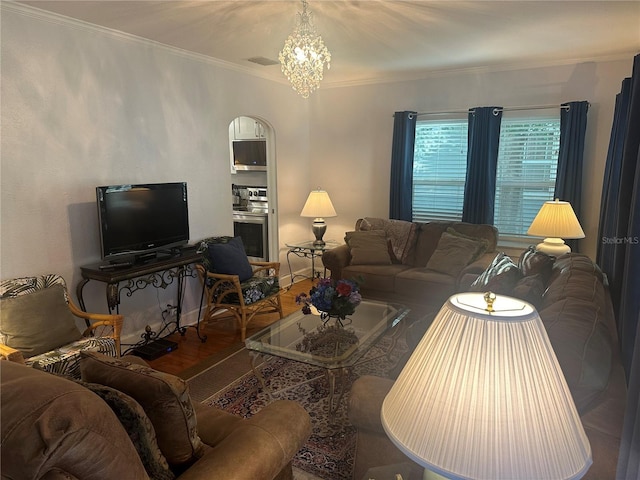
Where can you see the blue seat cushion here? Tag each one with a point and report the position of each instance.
(227, 255)
(255, 289)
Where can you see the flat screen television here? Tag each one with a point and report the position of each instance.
(141, 220)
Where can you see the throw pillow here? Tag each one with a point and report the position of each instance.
(227, 255)
(38, 322)
(137, 425)
(500, 276)
(452, 254)
(368, 247)
(164, 398)
(400, 234)
(483, 243)
(532, 262)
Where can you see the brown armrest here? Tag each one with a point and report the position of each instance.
(272, 437)
(365, 401)
(336, 259)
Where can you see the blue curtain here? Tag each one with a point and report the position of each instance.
(610, 194)
(573, 126)
(620, 254)
(404, 135)
(482, 160)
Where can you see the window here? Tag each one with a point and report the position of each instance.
(525, 178)
(526, 172)
(439, 169)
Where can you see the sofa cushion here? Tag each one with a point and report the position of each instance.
(368, 247)
(38, 322)
(139, 428)
(428, 285)
(227, 255)
(374, 277)
(401, 234)
(499, 277)
(580, 338)
(574, 283)
(452, 254)
(530, 289)
(164, 398)
(532, 262)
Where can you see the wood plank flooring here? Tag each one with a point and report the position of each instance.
(222, 335)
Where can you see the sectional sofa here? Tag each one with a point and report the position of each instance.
(572, 298)
(418, 264)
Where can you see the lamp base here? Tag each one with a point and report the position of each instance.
(553, 246)
(319, 227)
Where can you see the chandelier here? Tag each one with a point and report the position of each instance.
(303, 55)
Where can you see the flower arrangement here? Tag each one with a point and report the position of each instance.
(337, 299)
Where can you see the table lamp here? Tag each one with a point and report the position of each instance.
(318, 206)
(555, 220)
(483, 397)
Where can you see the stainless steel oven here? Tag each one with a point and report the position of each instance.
(251, 220)
(253, 227)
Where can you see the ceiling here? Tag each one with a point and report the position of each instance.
(378, 40)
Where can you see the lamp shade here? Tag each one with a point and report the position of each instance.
(483, 397)
(318, 205)
(556, 219)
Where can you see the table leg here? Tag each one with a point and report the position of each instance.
(253, 358)
(331, 374)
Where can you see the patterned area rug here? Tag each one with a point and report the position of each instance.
(328, 454)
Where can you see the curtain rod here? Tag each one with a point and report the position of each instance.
(503, 109)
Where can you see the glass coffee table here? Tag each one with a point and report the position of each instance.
(335, 348)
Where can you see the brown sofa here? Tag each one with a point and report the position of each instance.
(575, 307)
(56, 428)
(422, 264)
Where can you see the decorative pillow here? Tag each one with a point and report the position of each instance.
(483, 243)
(452, 254)
(227, 255)
(139, 428)
(530, 289)
(164, 398)
(532, 262)
(499, 277)
(38, 322)
(368, 247)
(400, 233)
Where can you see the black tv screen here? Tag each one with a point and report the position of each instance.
(138, 219)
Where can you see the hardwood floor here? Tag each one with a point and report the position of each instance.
(222, 335)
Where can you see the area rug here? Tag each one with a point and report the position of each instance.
(329, 452)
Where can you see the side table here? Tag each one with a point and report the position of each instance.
(396, 471)
(309, 250)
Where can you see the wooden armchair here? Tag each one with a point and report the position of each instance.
(38, 326)
(227, 293)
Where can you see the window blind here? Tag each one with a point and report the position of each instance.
(439, 170)
(526, 172)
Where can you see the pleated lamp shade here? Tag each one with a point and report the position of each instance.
(556, 220)
(483, 397)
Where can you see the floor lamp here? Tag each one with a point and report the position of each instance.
(483, 397)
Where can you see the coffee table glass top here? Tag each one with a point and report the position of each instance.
(306, 338)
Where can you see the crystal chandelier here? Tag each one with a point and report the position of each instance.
(303, 55)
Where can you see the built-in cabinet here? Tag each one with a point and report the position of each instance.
(247, 128)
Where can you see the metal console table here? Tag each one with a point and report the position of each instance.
(309, 250)
(159, 272)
